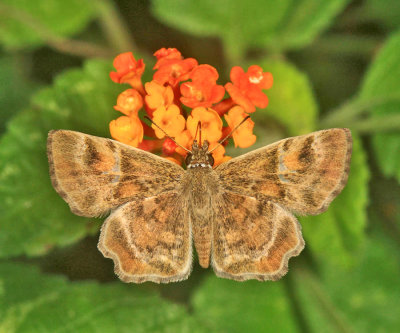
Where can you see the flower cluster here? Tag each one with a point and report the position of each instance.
(181, 95)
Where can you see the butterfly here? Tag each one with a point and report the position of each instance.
(238, 215)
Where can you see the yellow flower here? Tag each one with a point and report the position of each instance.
(243, 136)
(158, 95)
(185, 139)
(127, 130)
(169, 119)
(129, 102)
(218, 154)
(211, 124)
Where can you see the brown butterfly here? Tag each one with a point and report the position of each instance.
(238, 214)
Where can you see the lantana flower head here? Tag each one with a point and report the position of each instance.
(128, 70)
(211, 124)
(157, 95)
(165, 54)
(129, 102)
(169, 119)
(186, 103)
(202, 90)
(243, 136)
(246, 88)
(174, 71)
(128, 130)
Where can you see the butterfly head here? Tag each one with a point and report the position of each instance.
(199, 156)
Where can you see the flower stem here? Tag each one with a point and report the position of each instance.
(234, 51)
(114, 28)
(60, 44)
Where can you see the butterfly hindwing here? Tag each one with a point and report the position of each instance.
(149, 240)
(94, 175)
(303, 174)
(253, 239)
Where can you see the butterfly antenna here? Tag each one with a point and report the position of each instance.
(198, 129)
(227, 137)
(148, 118)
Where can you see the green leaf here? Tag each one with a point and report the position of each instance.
(304, 21)
(15, 94)
(337, 234)
(381, 81)
(363, 299)
(291, 99)
(34, 217)
(262, 23)
(26, 23)
(251, 306)
(386, 12)
(33, 302)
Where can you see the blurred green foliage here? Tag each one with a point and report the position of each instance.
(335, 63)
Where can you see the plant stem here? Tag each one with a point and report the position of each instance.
(61, 44)
(388, 123)
(346, 45)
(234, 51)
(348, 112)
(113, 27)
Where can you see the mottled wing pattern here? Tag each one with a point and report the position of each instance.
(94, 175)
(149, 240)
(303, 174)
(252, 238)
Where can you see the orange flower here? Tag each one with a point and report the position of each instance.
(243, 136)
(203, 90)
(173, 71)
(185, 139)
(211, 124)
(129, 102)
(158, 95)
(169, 119)
(127, 130)
(166, 54)
(150, 145)
(168, 147)
(246, 87)
(218, 154)
(128, 70)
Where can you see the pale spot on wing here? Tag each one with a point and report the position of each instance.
(115, 169)
(282, 167)
(282, 178)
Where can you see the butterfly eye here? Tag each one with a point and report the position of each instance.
(188, 159)
(211, 159)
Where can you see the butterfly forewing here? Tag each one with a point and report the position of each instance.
(94, 175)
(303, 174)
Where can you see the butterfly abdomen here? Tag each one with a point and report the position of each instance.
(201, 186)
